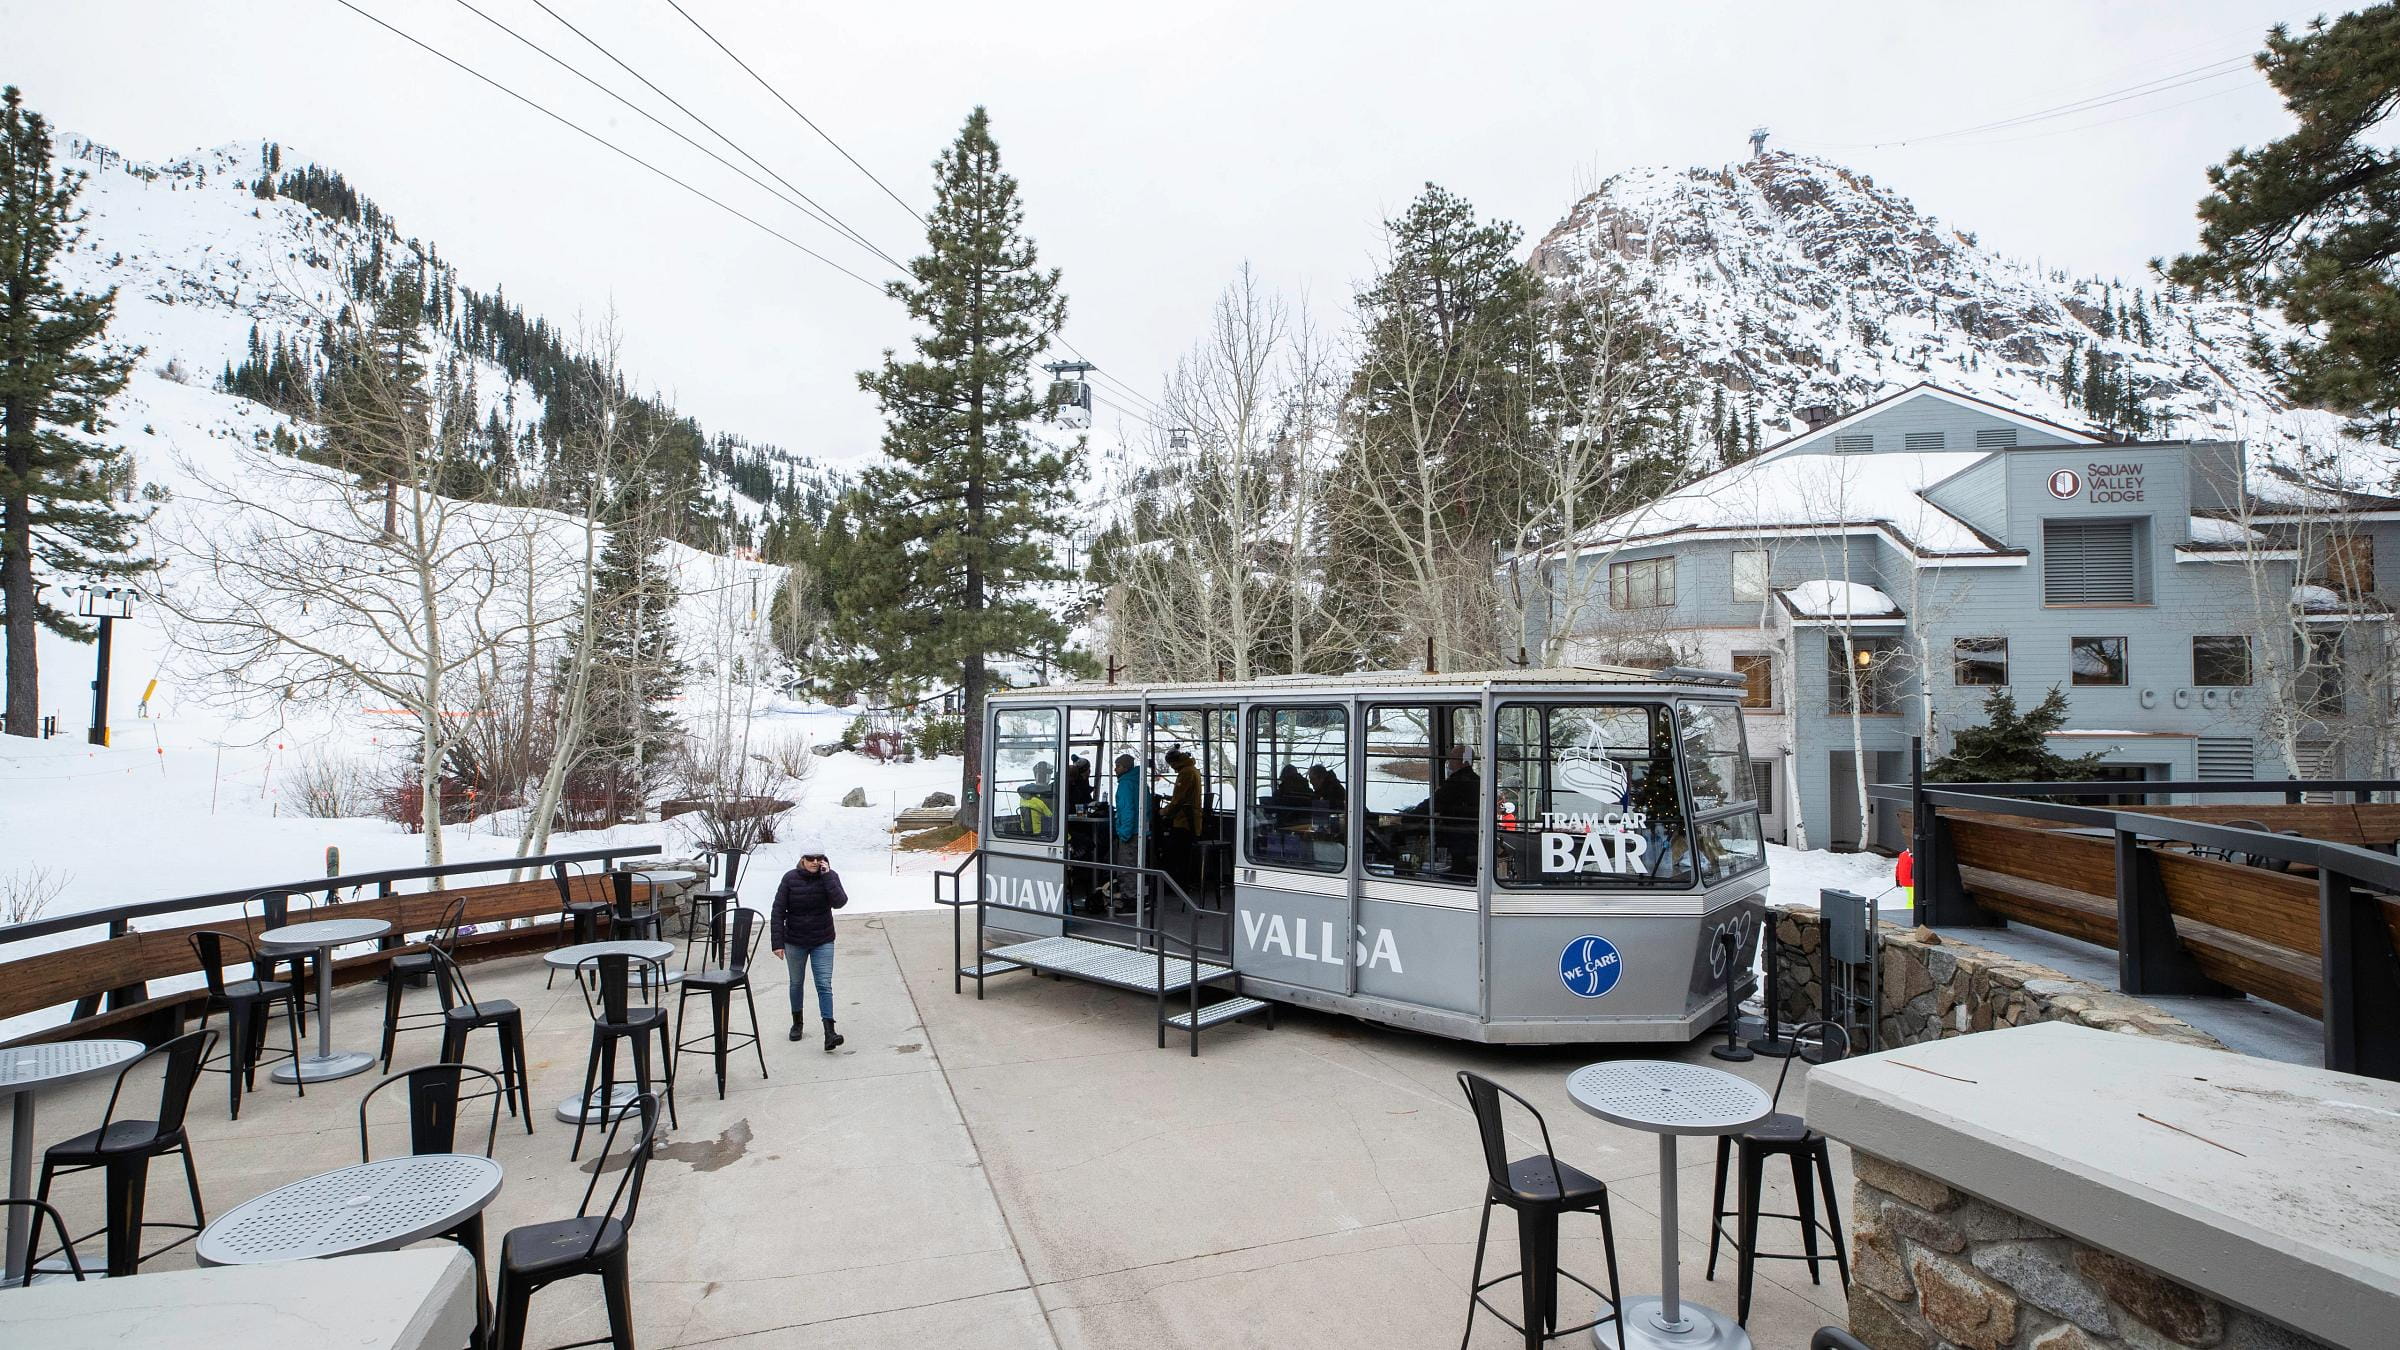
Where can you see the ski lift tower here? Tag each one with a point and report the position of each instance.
(1071, 394)
(1758, 142)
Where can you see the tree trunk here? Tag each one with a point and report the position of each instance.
(17, 590)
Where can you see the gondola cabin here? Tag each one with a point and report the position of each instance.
(1526, 856)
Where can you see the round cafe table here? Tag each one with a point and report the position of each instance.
(324, 935)
(25, 1071)
(1668, 1099)
(576, 1109)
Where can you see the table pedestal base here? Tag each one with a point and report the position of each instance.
(1646, 1328)
(318, 1068)
(589, 1112)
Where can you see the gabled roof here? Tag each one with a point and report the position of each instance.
(2007, 414)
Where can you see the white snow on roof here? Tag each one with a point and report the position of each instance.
(1838, 600)
(2317, 600)
(1812, 490)
(2218, 530)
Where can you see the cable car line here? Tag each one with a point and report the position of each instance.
(603, 142)
(806, 205)
(812, 126)
(2217, 69)
(710, 127)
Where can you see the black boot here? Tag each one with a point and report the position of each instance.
(798, 1030)
(832, 1038)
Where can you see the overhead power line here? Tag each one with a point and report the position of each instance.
(611, 146)
(804, 117)
(705, 125)
(803, 204)
(2207, 71)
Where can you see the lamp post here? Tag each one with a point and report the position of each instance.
(107, 604)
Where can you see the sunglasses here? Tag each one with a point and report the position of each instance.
(814, 857)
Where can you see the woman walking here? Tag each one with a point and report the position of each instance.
(802, 930)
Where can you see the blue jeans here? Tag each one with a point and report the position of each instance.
(797, 962)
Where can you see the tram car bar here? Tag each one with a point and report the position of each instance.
(1520, 857)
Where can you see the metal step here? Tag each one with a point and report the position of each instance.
(1223, 1010)
(989, 968)
(1109, 964)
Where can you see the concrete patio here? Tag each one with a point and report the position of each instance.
(1027, 1171)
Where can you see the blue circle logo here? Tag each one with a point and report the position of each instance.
(1589, 966)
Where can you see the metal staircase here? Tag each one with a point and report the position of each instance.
(1146, 966)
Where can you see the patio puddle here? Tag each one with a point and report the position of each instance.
(701, 1155)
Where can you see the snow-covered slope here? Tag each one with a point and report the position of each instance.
(1792, 282)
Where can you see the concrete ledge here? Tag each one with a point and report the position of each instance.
(421, 1299)
(2269, 1186)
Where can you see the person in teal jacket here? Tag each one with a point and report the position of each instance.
(1128, 809)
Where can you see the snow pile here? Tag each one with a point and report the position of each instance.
(1838, 600)
(1813, 490)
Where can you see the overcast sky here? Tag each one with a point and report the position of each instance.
(1159, 146)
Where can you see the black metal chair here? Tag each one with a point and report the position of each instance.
(42, 1209)
(632, 919)
(274, 911)
(409, 965)
(1538, 1189)
(249, 1005)
(1812, 1166)
(541, 1254)
(435, 1102)
(123, 1150)
(463, 1013)
(701, 907)
(1834, 1338)
(579, 918)
(607, 982)
(735, 933)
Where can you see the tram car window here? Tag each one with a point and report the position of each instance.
(1421, 791)
(1299, 776)
(1723, 810)
(1026, 787)
(1587, 798)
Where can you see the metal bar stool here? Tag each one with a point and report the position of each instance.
(701, 907)
(591, 1243)
(435, 1102)
(579, 917)
(1812, 1166)
(463, 1013)
(408, 965)
(1538, 1189)
(123, 1150)
(735, 932)
(249, 1006)
(607, 982)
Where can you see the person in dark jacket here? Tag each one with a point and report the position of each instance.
(801, 928)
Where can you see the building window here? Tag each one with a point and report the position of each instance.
(1979, 660)
(1854, 445)
(1644, 583)
(1875, 661)
(1757, 670)
(1750, 574)
(1422, 792)
(2349, 565)
(1996, 438)
(2097, 660)
(1025, 773)
(1299, 777)
(2093, 562)
(2220, 661)
(1762, 785)
(1921, 441)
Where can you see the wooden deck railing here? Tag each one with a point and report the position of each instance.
(2322, 939)
(118, 967)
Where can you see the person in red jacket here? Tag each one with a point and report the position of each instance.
(801, 929)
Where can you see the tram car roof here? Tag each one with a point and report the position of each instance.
(1550, 678)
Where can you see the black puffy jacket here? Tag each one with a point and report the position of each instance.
(804, 906)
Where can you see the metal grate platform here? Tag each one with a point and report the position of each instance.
(988, 969)
(1106, 963)
(1223, 1010)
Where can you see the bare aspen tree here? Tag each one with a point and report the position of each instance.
(344, 574)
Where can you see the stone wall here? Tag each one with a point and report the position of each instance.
(1936, 987)
(1934, 1267)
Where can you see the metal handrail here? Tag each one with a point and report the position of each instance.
(2104, 787)
(1158, 930)
(116, 915)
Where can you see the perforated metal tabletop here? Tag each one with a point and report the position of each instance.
(373, 1207)
(1660, 1096)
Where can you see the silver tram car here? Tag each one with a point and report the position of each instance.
(1524, 856)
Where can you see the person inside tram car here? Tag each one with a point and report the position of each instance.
(1124, 827)
(1181, 820)
(1037, 801)
(1288, 805)
(1330, 798)
(1450, 812)
(1079, 785)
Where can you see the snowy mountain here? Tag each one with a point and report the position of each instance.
(235, 256)
(1793, 283)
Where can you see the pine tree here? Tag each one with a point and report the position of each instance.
(2012, 747)
(631, 728)
(959, 527)
(2311, 223)
(56, 378)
